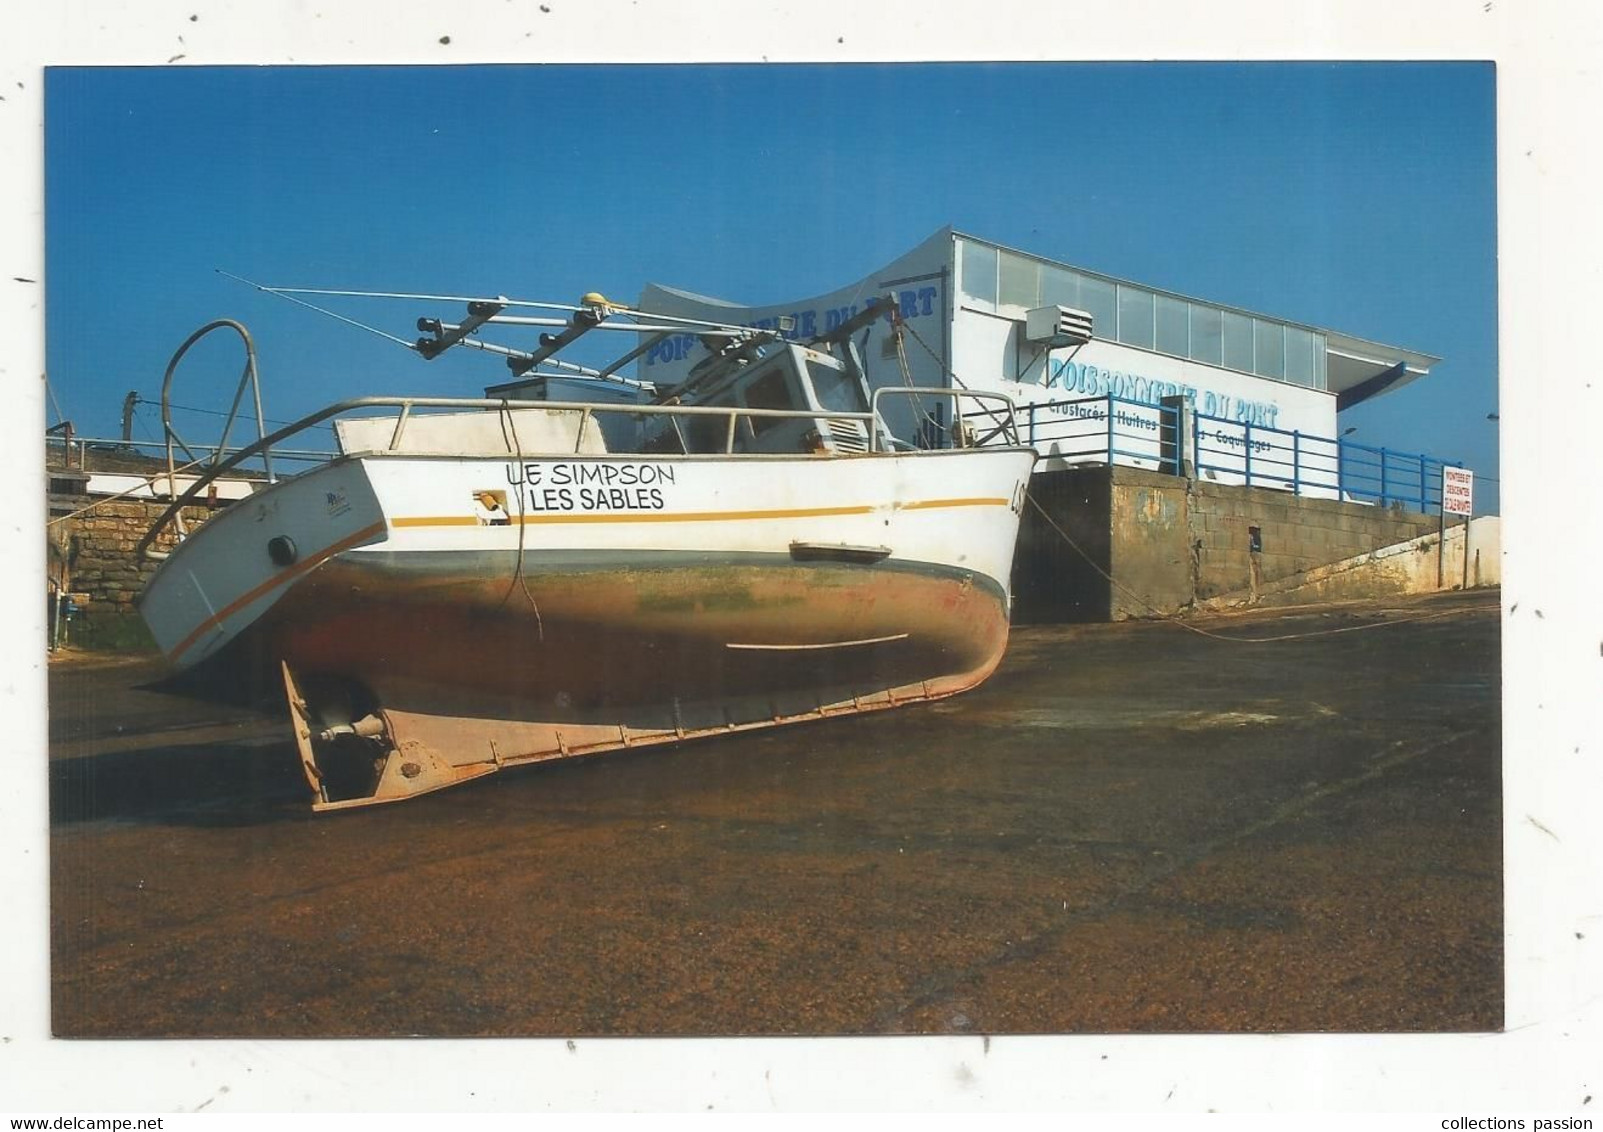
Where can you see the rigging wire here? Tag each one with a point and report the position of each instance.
(143, 426)
(220, 413)
(691, 324)
(924, 414)
(993, 414)
(280, 292)
(50, 389)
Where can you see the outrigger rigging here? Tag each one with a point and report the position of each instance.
(726, 343)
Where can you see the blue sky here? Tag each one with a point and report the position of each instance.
(1359, 197)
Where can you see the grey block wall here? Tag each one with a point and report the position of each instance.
(1161, 543)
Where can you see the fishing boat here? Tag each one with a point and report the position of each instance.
(470, 584)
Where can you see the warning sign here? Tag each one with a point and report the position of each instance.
(1458, 491)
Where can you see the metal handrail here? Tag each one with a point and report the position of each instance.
(247, 377)
(1262, 455)
(1326, 462)
(1098, 424)
(97, 445)
(1008, 425)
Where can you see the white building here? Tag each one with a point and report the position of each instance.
(1262, 392)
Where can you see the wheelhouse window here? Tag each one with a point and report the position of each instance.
(769, 390)
(836, 390)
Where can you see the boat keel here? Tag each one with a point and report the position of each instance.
(388, 753)
(332, 758)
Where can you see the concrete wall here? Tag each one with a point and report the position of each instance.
(1419, 565)
(1051, 581)
(1170, 544)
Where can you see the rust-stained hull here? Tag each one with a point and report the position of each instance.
(472, 662)
(422, 643)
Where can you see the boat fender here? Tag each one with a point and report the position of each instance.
(281, 549)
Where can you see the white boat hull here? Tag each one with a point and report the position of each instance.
(616, 601)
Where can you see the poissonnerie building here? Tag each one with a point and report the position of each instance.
(1259, 386)
(1159, 429)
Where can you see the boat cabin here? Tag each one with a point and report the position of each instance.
(806, 383)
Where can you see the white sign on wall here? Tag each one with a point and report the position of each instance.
(1458, 491)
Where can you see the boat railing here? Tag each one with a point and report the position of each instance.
(975, 430)
(248, 379)
(879, 437)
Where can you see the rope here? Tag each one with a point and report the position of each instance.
(1175, 619)
(907, 376)
(508, 423)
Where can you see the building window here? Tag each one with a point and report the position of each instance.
(1299, 356)
(1059, 287)
(1020, 282)
(1098, 300)
(1135, 316)
(1237, 341)
(979, 272)
(1207, 334)
(1174, 333)
(1271, 348)
(990, 277)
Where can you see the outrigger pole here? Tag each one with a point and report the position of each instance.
(583, 320)
(479, 313)
(590, 313)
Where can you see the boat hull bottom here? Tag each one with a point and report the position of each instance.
(409, 752)
(401, 682)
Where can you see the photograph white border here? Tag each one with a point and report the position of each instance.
(1548, 85)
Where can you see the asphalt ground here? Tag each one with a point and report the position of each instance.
(1129, 828)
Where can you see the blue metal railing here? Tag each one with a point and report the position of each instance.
(1113, 430)
(1260, 456)
(1104, 430)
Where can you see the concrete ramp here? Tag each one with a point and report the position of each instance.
(1420, 565)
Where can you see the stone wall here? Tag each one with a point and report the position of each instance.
(93, 553)
(1169, 543)
(1296, 534)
